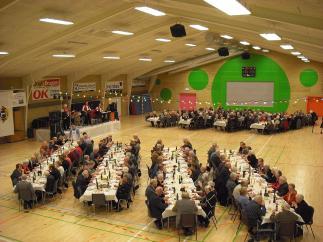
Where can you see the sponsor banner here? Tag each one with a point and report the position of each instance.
(18, 99)
(45, 89)
(6, 115)
(114, 86)
(84, 87)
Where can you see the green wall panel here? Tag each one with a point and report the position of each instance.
(267, 70)
(198, 79)
(308, 77)
(166, 94)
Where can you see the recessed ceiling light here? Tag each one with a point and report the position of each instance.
(300, 56)
(121, 32)
(265, 50)
(4, 53)
(145, 59)
(230, 7)
(210, 49)
(169, 61)
(150, 11)
(256, 47)
(163, 40)
(199, 27)
(270, 36)
(112, 57)
(307, 61)
(225, 36)
(304, 59)
(56, 21)
(244, 43)
(295, 53)
(191, 45)
(64, 55)
(287, 47)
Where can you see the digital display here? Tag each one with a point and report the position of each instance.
(248, 71)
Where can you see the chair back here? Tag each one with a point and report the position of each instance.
(55, 186)
(98, 199)
(187, 221)
(286, 229)
(76, 193)
(310, 215)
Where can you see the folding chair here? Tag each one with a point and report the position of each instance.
(98, 199)
(187, 221)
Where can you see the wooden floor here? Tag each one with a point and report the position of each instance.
(299, 154)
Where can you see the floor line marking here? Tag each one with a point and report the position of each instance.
(140, 231)
(264, 145)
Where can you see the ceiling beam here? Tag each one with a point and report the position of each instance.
(4, 4)
(65, 34)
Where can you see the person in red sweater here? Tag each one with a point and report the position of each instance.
(290, 197)
(25, 167)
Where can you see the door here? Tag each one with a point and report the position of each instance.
(315, 104)
(187, 101)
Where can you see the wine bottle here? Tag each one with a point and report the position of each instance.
(101, 176)
(274, 200)
(97, 184)
(176, 196)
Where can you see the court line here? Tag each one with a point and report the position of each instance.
(8, 239)
(280, 154)
(140, 231)
(264, 145)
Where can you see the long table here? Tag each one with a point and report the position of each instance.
(177, 178)
(257, 185)
(106, 178)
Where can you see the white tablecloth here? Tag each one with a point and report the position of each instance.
(172, 185)
(153, 119)
(258, 126)
(184, 122)
(106, 176)
(220, 123)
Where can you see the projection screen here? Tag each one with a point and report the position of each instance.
(246, 93)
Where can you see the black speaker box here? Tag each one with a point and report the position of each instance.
(223, 51)
(245, 55)
(54, 116)
(178, 30)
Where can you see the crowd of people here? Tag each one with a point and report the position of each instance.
(78, 163)
(218, 182)
(235, 120)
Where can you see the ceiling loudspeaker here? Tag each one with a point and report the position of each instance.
(223, 51)
(178, 30)
(245, 55)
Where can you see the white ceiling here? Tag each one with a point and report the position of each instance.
(31, 43)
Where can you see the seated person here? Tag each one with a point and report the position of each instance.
(231, 183)
(82, 181)
(54, 172)
(33, 162)
(25, 167)
(150, 190)
(283, 186)
(302, 208)
(254, 212)
(123, 191)
(277, 174)
(184, 206)
(284, 219)
(252, 160)
(25, 192)
(187, 143)
(208, 205)
(157, 206)
(243, 199)
(290, 197)
(236, 190)
(16, 174)
(50, 182)
(160, 180)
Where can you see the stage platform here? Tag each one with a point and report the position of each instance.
(92, 130)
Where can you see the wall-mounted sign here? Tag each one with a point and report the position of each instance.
(114, 86)
(45, 89)
(138, 83)
(18, 99)
(6, 116)
(84, 87)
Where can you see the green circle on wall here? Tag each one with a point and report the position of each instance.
(165, 94)
(308, 77)
(198, 79)
(158, 81)
(267, 70)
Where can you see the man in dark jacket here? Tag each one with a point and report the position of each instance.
(157, 206)
(82, 182)
(220, 184)
(16, 174)
(25, 192)
(254, 211)
(283, 186)
(150, 190)
(302, 208)
(184, 206)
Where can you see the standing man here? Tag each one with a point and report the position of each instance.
(25, 192)
(74, 133)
